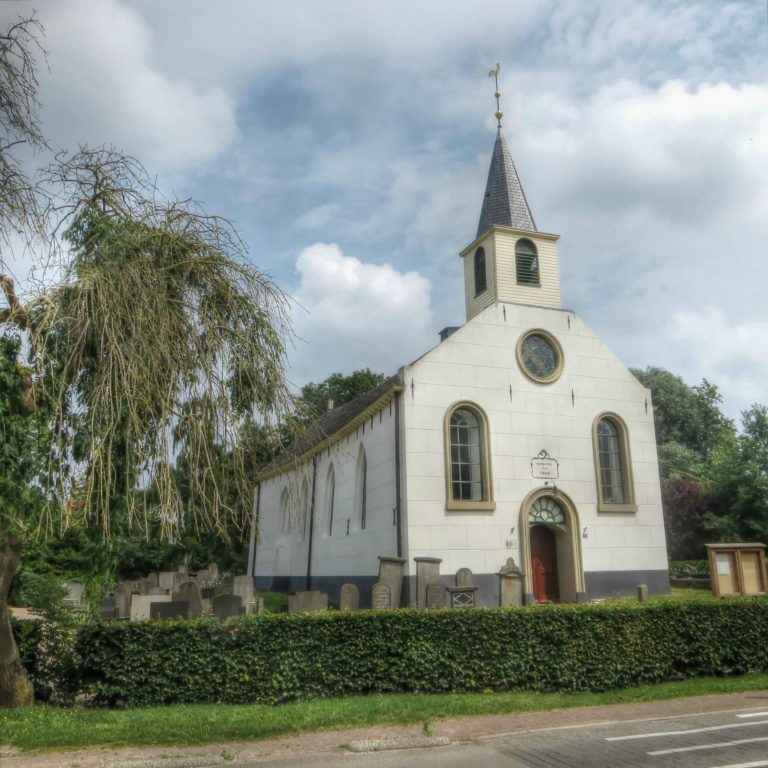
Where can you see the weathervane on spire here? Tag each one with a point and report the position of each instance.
(494, 73)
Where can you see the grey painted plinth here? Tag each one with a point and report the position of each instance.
(427, 569)
(391, 570)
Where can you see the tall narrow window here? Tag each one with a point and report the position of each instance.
(361, 489)
(481, 282)
(526, 263)
(612, 465)
(330, 493)
(301, 523)
(468, 473)
(285, 517)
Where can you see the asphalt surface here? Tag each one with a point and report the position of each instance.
(725, 731)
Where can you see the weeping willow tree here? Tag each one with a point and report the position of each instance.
(157, 345)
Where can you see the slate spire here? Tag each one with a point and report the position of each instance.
(504, 202)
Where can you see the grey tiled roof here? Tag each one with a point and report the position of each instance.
(327, 425)
(504, 202)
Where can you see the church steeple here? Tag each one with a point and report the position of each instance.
(504, 202)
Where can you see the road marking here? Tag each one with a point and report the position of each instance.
(682, 733)
(755, 714)
(756, 764)
(699, 747)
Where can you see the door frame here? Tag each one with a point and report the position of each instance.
(571, 574)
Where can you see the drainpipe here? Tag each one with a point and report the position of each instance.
(398, 505)
(254, 526)
(311, 522)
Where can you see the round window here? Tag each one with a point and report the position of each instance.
(540, 356)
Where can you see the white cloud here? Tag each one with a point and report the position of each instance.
(355, 314)
(103, 88)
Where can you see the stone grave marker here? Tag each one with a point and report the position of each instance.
(171, 609)
(312, 600)
(108, 608)
(435, 594)
(153, 582)
(123, 595)
(463, 594)
(391, 571)
(381, 598)
(165, 580)
(179, 578)
(225, 606)
(189, 592)
(213, 569)
(427, 569)
(350, 598)
(510, 584)
(141, 605)
(243, 587)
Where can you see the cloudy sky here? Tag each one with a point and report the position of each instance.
(349, 140)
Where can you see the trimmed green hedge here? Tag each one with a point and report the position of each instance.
(274, 659)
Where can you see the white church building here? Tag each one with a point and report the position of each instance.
(519, 435)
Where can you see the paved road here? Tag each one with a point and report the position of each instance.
(719, 740)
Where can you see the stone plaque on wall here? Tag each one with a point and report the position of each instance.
(427, 569)
(435, 594)
(391, 573)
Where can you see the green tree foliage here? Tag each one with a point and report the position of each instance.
(340, 388)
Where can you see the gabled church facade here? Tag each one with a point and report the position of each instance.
(519, 435)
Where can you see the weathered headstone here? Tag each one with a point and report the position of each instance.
(312, 600)
(123, 595)
(213, 569)
(510, 584)
(75, 592)
(258, 606)
(381, 597)
(465, 578)
(225, 606)
(349, 599)
(171, 609)
(189, 592)
(391, 571)
(165, 580)
(153, 582)
(642, 593)
(179, 578)
(243, 586)
(427, 569)
(435, 594)
(108, 608)
(463, 594)
(141, 605)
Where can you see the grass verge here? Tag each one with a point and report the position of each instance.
(43, 728)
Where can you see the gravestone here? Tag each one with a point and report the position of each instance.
(391, 571)
(381, 597)
(435, 594)
(642, 593)
(189, 592)
(141, 605)
(108, 608)
(225, 606)
(171, 609)
(350, 598)
(258, 606)
(213, 569)
(242, 586)
(303, 602)
(510, 584)
(427, 569)
(165, 580)
(463, 594)
(153, 582)
(179, 578)
(75, 592)
(123, 595)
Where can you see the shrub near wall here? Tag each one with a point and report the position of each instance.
(273, 659)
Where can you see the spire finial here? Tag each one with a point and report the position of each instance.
(494, 73)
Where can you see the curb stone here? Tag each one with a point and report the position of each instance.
(382, 745)
(167, 762)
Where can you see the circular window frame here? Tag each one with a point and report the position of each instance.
(555, 375)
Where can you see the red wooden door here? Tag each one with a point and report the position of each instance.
(544, 562)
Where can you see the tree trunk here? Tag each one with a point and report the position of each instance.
(15, 687)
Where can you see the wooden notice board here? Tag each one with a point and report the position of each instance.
(737, 569)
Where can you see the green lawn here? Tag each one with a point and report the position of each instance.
(42, 728)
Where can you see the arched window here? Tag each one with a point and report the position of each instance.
(301, 523)
(613, 466)
(481, 282)
(330, 493)
(467, 465)
(361, 489)
(526, 263)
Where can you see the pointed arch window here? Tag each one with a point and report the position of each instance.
(330, 493)
(467, 459)
(301, 521)
(613, 465)
(361, 490)
(285, 516)
(481, 276)
(527, 263)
